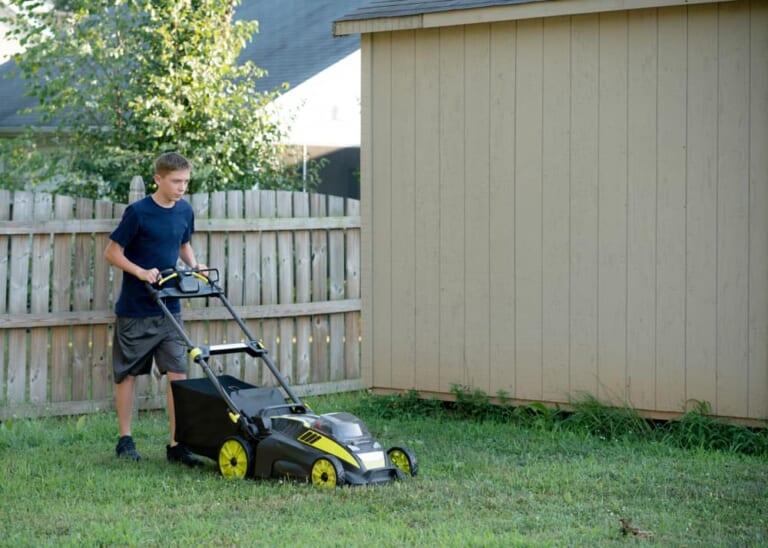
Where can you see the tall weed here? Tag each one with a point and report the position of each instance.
(696, 428)
(606, 422)
(407, 405)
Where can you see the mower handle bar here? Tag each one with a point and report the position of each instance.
(209, 288)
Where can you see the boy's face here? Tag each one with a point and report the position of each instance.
(172, 185)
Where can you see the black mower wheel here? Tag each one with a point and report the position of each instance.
(235, 458)
(404, 459)
(327, 472)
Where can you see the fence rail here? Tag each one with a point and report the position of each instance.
(289, 262)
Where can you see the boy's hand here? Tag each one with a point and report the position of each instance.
(203, 267)
(151, 275)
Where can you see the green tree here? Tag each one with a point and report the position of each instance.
(123, 80)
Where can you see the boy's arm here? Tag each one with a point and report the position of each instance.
(116, 257)
(187, 254)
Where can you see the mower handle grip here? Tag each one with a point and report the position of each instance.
(206, 277)
(168, 274)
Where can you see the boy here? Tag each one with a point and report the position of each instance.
(152, 235)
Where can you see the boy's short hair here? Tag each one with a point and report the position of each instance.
(171, 161)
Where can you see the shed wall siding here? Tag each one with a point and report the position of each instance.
(571, 204)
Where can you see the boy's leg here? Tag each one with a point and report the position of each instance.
(171, 407)
(171, 359)
(175, 451)
(124, 404)
(131, 356)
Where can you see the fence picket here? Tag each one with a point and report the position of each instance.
(5, 214)
(102, 370)
(81, 334)
(336, 289)
(269, 281)
(234, 287)
(303, 263)
(285, 285)
(252, 281)
(319, 292)
(17, 300)
(352, 286)
(40, 292)
(61, 380)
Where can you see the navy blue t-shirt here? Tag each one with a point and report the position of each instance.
(150, 236)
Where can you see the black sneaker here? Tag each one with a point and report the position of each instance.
(126, 450)
(179, 453)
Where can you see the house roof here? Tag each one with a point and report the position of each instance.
(294, 43)
(295, 39)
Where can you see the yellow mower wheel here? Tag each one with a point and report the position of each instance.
(404, 459)
(235, 457)
(327, 472)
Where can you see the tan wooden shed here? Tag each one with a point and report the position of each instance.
(567, 196)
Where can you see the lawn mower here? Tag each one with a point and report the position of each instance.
(263, 431)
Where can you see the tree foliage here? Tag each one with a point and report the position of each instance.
(123, 80)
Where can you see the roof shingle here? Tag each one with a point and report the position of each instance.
(401, 8)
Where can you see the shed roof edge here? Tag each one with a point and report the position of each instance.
(352, 24)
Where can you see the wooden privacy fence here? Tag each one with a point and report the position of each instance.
(288, 261)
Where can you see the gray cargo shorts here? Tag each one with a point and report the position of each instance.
(138, 340)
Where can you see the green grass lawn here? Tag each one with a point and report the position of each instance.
(479, 484)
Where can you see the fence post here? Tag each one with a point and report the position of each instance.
(137, 190)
